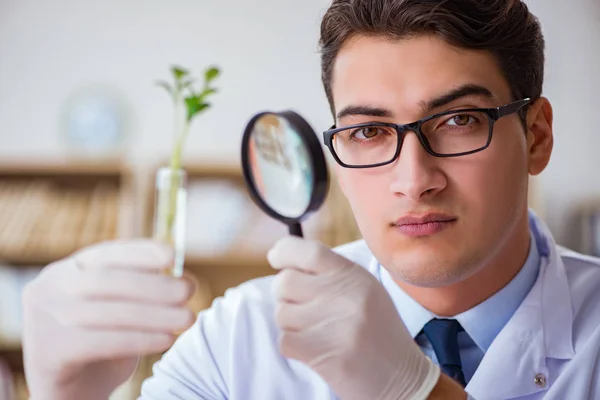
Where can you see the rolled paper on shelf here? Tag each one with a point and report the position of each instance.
(41, 220)
(92, 218)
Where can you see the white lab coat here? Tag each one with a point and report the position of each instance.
(549, 349)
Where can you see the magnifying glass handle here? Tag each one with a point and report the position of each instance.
(296, 230)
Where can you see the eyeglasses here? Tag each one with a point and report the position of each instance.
(449, 134)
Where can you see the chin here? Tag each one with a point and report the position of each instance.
(425, 267)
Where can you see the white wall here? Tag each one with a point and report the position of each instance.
(269, 55)
(267, 50)
(572, 30)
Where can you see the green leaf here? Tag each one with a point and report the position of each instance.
(194, 106)
(166, 86)
(203, 106)
(207, 92)
(211, 74)
(179, 72)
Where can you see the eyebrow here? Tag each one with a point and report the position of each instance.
(426, 106)
(455, 94)
(364, 110)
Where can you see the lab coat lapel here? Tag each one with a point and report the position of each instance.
(515, 364)
(515, 357)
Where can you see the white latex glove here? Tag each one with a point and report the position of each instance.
(338, 319)
(88, 318)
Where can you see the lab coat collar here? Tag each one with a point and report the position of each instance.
(540, 329)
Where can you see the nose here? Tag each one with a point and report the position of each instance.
(416, 173)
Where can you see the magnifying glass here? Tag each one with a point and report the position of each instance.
(284, 167)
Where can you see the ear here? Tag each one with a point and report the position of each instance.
(540, 137)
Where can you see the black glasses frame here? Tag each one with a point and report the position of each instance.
(494, 114)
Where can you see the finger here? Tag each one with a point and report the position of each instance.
(298, 317)
(295, 286)
(133, 285)
(306, 255)
(313, 343)
(134, 254)
(125, 316)
(114, 344)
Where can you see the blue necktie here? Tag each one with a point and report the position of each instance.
(443, 336)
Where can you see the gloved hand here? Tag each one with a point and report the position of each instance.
(338, 319)
(88, 318)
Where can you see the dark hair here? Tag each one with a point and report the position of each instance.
(505, 28)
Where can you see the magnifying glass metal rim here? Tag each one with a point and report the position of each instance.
(317, 163)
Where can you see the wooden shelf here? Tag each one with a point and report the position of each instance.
(226, 262)
(62, 166)
(13, 357)
(222, 273)
(34, 260)
(9, 346)
(48, 210)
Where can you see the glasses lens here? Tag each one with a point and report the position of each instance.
(458, 132)
(366, 145)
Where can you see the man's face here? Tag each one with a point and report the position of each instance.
(482, 195)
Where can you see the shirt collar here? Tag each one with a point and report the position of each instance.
(484, 321)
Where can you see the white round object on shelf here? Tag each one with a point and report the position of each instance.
(94, 119)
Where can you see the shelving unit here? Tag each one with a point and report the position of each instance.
(86, 202)
(51, 208)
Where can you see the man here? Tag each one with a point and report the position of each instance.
(455, 289)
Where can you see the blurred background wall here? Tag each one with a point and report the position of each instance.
(268, 52)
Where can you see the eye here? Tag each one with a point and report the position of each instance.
(368, 132)
(461, 120)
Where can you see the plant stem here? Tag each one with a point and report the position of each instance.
(174, 183)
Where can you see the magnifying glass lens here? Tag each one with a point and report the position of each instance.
(284, 167)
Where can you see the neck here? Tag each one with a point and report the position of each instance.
(448, 301)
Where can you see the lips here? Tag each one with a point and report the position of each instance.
(424, 219)
(423, 225)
